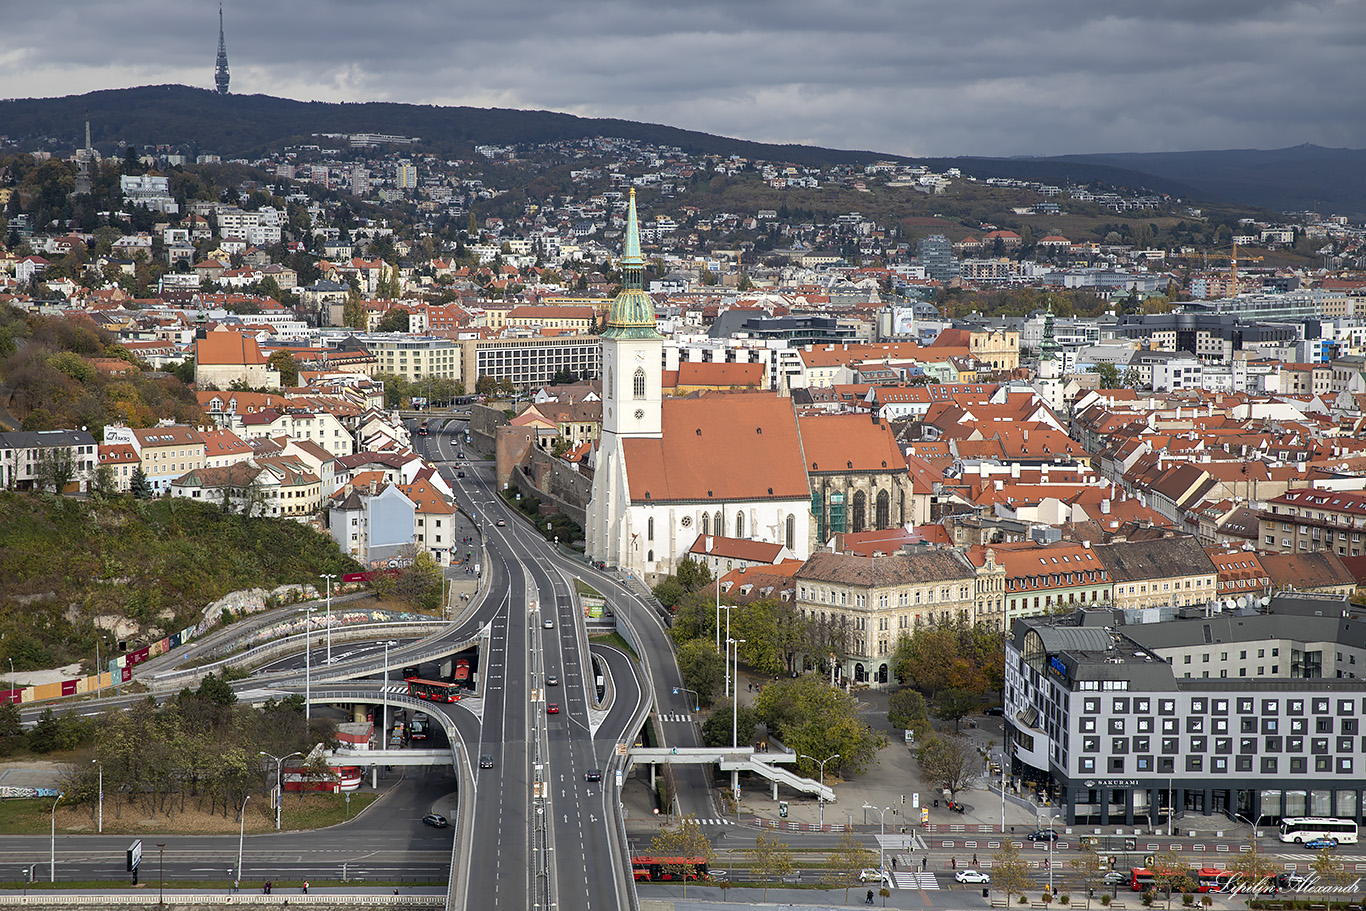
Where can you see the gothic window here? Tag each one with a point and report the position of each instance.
(650, 529)
(640, 383)
(609, 383)
(706, 524)
(860, 512)
(884, 508)
(791, 537)
(739, 525)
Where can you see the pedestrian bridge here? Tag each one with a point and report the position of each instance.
(392, 757)
(735, 759)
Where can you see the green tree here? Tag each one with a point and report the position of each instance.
(811, 717)
(216, 690)
(907, 709)
(687, 842)
(848, 859)
(138, 484)
(952, 704)
(725, 723)
(1009, 871)
(772, 859)
(283, 361)
(948, 762)
(353, 310)
(387, 286)
(184, 371)
(925, 658)
(668, 591)
(395, 320)
(703, 669)
(1109, 375)
(692, 574)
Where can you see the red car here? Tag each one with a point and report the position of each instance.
(552, 708)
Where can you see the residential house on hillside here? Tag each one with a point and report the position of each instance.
(27, 457)
(227, 356)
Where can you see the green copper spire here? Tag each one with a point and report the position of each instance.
(1048, 347)
(632, 314)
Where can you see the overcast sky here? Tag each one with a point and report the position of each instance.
(949, 77)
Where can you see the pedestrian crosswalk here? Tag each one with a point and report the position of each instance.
(915, 880)
(1297, 856)
(715, 821)
(676, 717)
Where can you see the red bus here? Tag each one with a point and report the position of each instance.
(1141, 879)
(434, 690)
(661, 869)
(462, 670)
(1212, 879)
(342, 778)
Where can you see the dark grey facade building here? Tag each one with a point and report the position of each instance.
(1124, 715)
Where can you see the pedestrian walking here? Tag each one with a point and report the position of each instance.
(305, 887)
(893, 862)
(954, 862)
(924, 862)
(974, 859)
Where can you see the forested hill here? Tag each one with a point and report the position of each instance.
(1299, 178)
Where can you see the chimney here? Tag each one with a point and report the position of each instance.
(1104, 508)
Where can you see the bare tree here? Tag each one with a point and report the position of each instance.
(849, 858)
(772, 859)
(949, 762)
(1009, 872)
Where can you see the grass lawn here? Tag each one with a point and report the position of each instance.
(617, 640)
(33, 816)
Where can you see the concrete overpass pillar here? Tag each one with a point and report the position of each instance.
(735, 785)
(775, 791)
(360, 713)
(652, 778)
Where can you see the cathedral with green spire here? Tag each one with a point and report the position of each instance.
(632, 395)
(632, 314)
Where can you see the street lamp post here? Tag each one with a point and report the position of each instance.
(882, 830)
(329, 577)
(735, 700)
(52, 858)
(241, 836)
(308, 665)
(11, 678)
(727, 608)
(279, 790)
(101, 768)
(820, 795)
(384, 688)
(1051, 834)
(161, 873)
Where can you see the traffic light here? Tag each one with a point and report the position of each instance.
(782, 809)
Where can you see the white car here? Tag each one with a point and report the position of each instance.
(972, 876)
(870, 875)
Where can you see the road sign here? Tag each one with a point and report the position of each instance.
(915, 799)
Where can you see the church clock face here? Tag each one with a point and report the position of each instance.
(640, 414)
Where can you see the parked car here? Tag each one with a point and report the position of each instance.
(552, 708)
(435, 820)
(593, 775)
(996, 710)
(972, 876)
(486, 761)
(1043, 835)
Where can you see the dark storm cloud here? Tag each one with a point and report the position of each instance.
(914, 77)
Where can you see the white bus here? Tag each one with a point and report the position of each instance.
(1300, 829)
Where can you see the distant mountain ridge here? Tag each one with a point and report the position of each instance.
(1303, 177)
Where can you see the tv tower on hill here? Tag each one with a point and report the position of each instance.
(220, 73)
